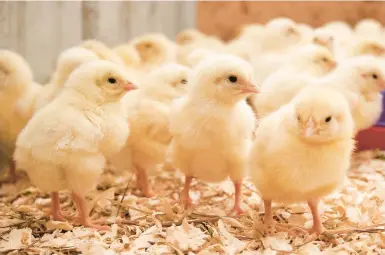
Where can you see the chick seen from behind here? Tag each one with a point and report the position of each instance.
(65, 144)
(212, 125)
(313, 138)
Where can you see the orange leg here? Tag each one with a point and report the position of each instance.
(317, 223)
(82, 216)
(142, 182)
(55, 212)
(268, 219)
(237, 198)
(185, 196)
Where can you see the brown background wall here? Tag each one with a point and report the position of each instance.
(223, 18)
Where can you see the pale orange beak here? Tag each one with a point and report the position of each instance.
(129, 86)
(333, 64)
(309, 128)
(248, 87)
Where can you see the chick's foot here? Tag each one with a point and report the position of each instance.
(185, 199)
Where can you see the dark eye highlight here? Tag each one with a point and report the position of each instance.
(375, 76)
(184, 81)
(112, 80)
(328, 119)
(233, 78)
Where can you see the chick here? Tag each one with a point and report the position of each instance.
(372, 47)
(102, 51)
(129, 55)
(323, 37)
(68, 61)
(149, 122)
(313, 59)
(281, 86)
(197, 56)
(65, 144)
(280, 34)
(154, 50)
(212, 125)
(361, 79)
(313, 135)
(17, 94)
(369, 28)
(188, 36)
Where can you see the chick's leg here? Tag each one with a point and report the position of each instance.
(56, 213)
(268, 219)
(12, 176)
(185, 199)
(82, 216)
(237, 198)
(142, 182)
(317, 223)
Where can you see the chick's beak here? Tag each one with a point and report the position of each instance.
(333, 64)
(309, 128)
(129, 86)
(248, 87)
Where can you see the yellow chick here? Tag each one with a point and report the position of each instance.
(323, 37)
(17, 95)
(280, 34)
(129, 54)
(102, 51)
(154, 50)
(372, 47)
(149, 122)
(188, 36)
(65, 144)
(369, 28)
(281, 86)
(197, 56)
(68, 61)
(212, 125)
(313, 137)
(361, 79)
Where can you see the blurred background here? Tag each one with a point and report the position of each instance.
(41, 30)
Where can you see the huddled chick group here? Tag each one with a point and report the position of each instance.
(281, 103)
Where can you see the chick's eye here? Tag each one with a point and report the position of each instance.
(324, 59)
(374, 76)
(298, 118)
(184, 81)
(328, 119)
(233, 78)
(112, 80)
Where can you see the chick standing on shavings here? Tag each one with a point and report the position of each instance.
(17, 93)
(148, 112)
(313, 138)
(65, 144)
(212, 125)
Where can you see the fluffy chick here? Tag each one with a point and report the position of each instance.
(129, 55)
(188, 36)
(313, 59)
(149, 122)
(313, 135)
(68, 61)
(65, 144)
(102, 51)
(280, 34)
(372, 47)
(212, 125)
(369, 28)
(17, 94)
(361, 79)
(281, 86)
(154, 50)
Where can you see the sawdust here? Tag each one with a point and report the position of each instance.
(354, 218)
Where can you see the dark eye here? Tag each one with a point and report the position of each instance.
(147, 45)
(112, 80)
(328, 119)
(298, 118)
(374, 76)
(184, 81)
(325, 60)
(233, 78)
